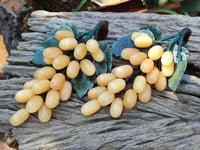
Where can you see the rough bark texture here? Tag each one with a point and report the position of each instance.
(10, 28)
(169, 121)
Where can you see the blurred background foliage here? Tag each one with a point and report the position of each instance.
(188, 7)
(192, 7)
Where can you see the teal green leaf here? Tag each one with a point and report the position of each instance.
(82, 83)
(155, 29)
(50, 42)
(73, 27)
(101, 67)
(174, 81)
(149, 32)
(68, 27)
(103, 45)
(120, 44)
(38, 58)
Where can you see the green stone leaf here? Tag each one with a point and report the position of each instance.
(68, 27)
(155, 29)
(75, 30)
(50, 42)
(174, 81)
(101, 67)
(108, 55)
(120, 44)
(82, 83)
(38, 58)
(149, 32)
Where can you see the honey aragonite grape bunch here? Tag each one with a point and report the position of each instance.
(74, 65)
(150, 70)
(50, 84)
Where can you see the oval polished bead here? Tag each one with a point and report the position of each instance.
(105, 78)
(48, 61)
(68, 44)
(80, 51)
(155, 52)
(123, 71)
(167, 58)
(52, 52)
(87, 67)
(41, 86)
(73, 69)
(45, 73)
(134, 35)
(92, 45)
(57, 81)
(93, 93)
(34, 104)
(161, 84)
(52, 99)
(137, 58)
(168, 70)
(61, 62)
(66, 91)
(126, 53)
(147, 65)
(105, 98)
(98, 55)
(116, 108)
(145, 96)
(129, 99)
(139, 84)
(19, 117)
(23, 96)
(90, 107)
(152, 76)
(143, 41)
(116, 86)
(29, 84)
(61, 34)
(44, 113)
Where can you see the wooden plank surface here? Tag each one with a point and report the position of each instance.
(169, 121)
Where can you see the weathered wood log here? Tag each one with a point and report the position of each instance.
(10, 27)
(169, 121)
